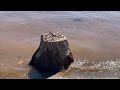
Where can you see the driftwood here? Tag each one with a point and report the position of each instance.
(53, 53)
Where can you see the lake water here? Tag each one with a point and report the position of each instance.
(93, 36)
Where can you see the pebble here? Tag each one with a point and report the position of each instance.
(20, 62)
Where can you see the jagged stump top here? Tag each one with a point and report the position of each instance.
(53, 37)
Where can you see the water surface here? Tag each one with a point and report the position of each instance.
(92, 35)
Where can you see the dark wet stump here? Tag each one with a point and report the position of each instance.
(53, 54)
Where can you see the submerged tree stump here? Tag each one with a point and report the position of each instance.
(53, 53)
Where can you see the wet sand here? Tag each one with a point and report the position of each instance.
(94, 40)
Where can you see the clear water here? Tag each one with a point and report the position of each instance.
(92, 35)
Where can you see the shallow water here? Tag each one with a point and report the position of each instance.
(92, 36)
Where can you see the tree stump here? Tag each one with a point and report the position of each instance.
(53, 53)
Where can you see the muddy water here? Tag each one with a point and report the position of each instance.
(93, 36)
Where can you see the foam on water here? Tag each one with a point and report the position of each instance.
(110, 65)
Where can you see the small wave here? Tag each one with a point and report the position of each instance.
(107, 65)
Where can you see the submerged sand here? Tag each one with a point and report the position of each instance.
(93, 39)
